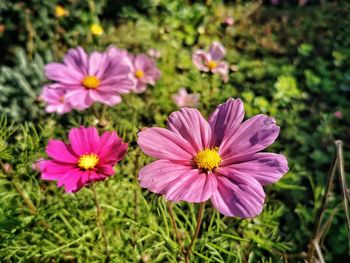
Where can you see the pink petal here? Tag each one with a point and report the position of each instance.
(96, 62)
(140, 87)
(164, 144)
(217, 51)
(59, 151)
(108, 98)
(116, 67)
(253, 135)
(192, 186)
(113, 153)
(178, 182)
(226, 118)
(50, 170)
(237, 195)
(222, 69)
(116, 52)
(53, 98)
(62, 73)
(190, 125)
(118, 84)
(105, 169)
(78, 98)
(72, 180)
(95, 177)
(143, 62)
(84, 140)
(266, 168)
(108, 140)
(158, 175)
(199, 59)
(78, 59)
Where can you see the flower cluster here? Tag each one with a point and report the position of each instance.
(199, 160)
(83, 79)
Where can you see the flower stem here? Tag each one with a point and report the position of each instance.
(339, 145)
(173, 222)
(194, 237)
(100, 223)
(102, 121)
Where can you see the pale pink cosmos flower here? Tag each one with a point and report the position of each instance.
(144, 71)
(7, 168)
(120, 53)
(183, 99)
(154, 53)
(55, 100)
(338, 114)
(229, 21)
(212, 61)
(218, 159)
(86, 79)
(87, 158)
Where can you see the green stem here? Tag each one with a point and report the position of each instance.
(173, 222)
(194, 237)
(102, 120)
(100, 223)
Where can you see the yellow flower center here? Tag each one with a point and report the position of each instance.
(91, 82)
(208, 159)
(88, 161)
(212, 64)
(96, 29)
(60, 11)
(139, 74)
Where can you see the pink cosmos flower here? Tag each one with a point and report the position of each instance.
(229, 21)
(86, 159)
(7, 167)
(154, 53)
(86, 79)
(183, 99)
(55, 99)
(212, 61)
(338, 114)
(144, 72)
(218, 159)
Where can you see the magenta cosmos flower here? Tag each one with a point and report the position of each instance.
(218, 159)
(55, 100)
(86, 159)
(212, 61)
(86, 79)
(144, 71)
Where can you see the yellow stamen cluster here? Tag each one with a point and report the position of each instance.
(212, 64)
(208, 159)
(139, 74)
(91, 82)
(88, 161)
